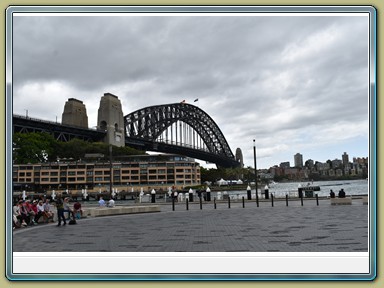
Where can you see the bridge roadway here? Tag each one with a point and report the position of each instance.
(296, 228)
(65, 133)
(59, 131)
(142, 144)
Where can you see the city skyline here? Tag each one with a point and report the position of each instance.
(314, 160)
(293, 83)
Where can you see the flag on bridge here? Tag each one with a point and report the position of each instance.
(197, 99)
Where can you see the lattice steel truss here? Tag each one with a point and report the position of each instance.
(150, 124)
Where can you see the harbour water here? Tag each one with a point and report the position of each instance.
(279, 190)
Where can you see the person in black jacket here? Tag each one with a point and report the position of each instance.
(60, 211)
(341, 193)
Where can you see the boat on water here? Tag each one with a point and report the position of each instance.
(310, 187)
(272, 183)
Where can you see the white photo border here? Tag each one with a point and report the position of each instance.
(369, 260)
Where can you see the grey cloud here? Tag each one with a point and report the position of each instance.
(252, 75)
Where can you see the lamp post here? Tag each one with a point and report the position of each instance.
(254, 156)
(110, 170)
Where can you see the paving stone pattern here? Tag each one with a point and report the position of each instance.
(296, 228)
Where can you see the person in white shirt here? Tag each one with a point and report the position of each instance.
(111, 203)
(48, 213)
(40, 210)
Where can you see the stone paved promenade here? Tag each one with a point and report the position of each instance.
(296, 228)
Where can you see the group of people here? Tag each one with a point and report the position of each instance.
(29, 212)
(340, 195)
(63, 209)
(110, 203)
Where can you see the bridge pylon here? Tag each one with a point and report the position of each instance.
(110, 118)
(75, 114)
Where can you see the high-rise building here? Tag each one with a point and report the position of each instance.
(345, 159)
(298, 160)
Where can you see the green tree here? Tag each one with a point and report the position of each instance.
(226, 173)
(42, 147)
(33, 148)
(77, 148)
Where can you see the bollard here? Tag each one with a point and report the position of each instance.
(243, 202)
(201, 203)
(286, 199)
(173, 203)
(301, 199)
(214, 202)
(208, 194)
(229, 202)
(317, 200)
(300, 190)
(272, 199)
(153, 194)
(249, 193)
(186, 203)
(266, 192)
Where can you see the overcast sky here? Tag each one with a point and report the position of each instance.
(296, 84)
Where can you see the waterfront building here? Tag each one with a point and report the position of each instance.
(294, 173)
(284, 165)
(347, 170)
(144, 171)
(276, 171)
(339, 172)
(310, 164)
(337, 163)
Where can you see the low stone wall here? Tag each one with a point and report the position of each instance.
(341, 201)
(118, 210)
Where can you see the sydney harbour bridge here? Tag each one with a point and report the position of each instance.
(177, 128)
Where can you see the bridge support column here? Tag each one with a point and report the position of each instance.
(111, 119)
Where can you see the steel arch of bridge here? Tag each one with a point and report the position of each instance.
(147, 124)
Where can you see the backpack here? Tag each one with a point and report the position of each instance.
(72, 222)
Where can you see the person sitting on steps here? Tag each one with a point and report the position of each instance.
(341, 193)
